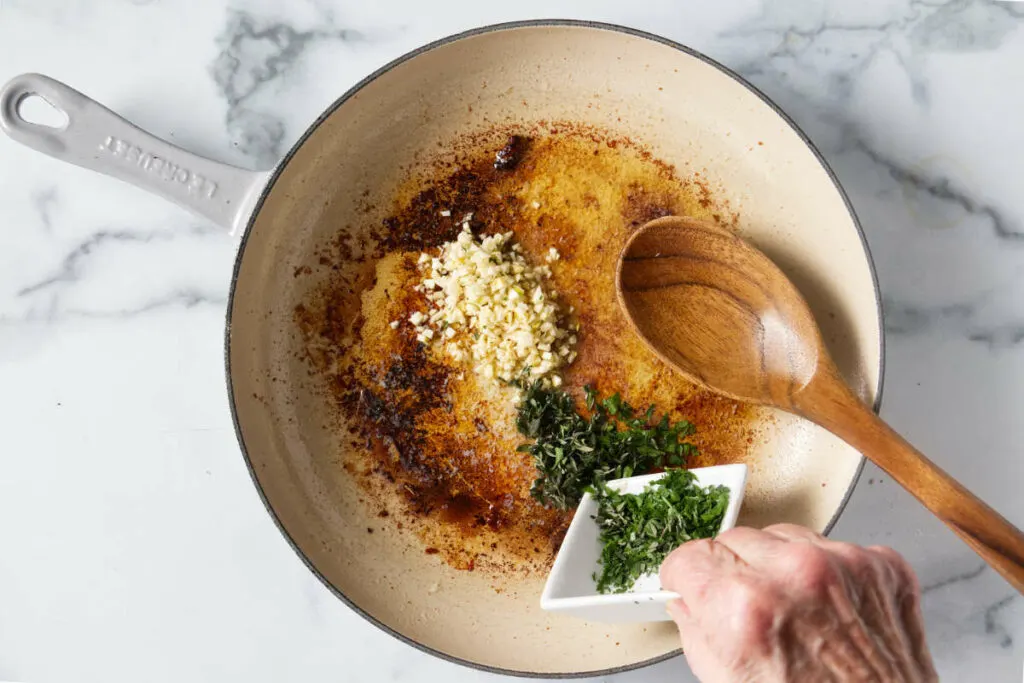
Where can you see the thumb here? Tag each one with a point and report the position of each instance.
(678, 610)
(694, 642)
(680, 613)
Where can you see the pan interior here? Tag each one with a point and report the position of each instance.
(347, 175)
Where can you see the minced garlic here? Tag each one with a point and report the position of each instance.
(489, 308)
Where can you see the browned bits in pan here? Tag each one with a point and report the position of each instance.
(507, 158)
(440, 451)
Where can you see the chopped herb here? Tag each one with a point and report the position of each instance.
(572, 452)
(638, 531)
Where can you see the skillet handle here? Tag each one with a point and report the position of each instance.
(828, 401)
(96, 138)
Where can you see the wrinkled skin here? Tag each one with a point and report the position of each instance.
(786, 604)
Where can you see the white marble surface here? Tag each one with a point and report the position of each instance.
(132, 544)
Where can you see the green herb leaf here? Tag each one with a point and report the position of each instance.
(572, 453)
(638, 531)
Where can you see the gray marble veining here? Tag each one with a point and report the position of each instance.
(253, 55)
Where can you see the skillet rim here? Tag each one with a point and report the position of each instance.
(329, 111)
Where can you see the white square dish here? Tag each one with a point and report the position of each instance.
(570, 588)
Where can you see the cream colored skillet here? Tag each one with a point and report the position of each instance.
(690, 111)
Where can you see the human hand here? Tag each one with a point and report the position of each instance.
(786, 604)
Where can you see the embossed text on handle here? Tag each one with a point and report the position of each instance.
(132, 154)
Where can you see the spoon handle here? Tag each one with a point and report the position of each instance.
(828, 402)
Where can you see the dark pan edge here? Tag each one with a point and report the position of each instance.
(359, 86)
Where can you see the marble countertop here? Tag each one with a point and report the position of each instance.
(132, 543)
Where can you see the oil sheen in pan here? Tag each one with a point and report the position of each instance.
(436, 451)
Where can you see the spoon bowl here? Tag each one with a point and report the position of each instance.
(722, 313)
(678, 274)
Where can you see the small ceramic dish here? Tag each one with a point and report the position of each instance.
(571, 588)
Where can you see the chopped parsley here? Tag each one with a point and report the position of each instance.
(573, 453)
(638, 531)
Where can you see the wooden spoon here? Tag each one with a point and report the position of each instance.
(720, 312)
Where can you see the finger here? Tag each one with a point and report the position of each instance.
(793, 532)
(847, 578)
(752, 546)
(871, 580)
(907, 595)
(860, 567)
(850, 564)
(893, 572)
(874, 623)
(699, 652)
(727, 615)
(901, 569)
(898, 578)
(721, 593)
(680, 614)
(692, 567)
(803, 568)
